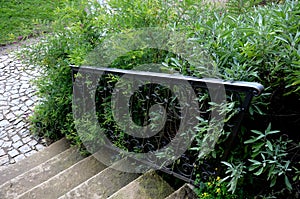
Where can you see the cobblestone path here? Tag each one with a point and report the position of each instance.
(17, 99)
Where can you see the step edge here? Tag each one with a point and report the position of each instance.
(54, 160)
(85, 183)
(139, 178)
(185, 186)
(16, 169)
(56, 176)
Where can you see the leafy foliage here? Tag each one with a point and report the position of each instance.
(256, 44)
(216, 188)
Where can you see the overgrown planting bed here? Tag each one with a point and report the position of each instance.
(245, 43)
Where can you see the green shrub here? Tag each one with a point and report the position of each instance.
(260, 45)
(54, 55)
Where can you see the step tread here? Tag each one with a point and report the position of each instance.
(11, 171)
(148, 186)
(40, 173)
(184, 192)
(101, 185)
(66, 180)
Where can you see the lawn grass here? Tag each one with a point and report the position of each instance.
(20, 19)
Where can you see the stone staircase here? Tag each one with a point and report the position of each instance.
(59, 171)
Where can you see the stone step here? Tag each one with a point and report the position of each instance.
(66, 180)
(102, 185)
(148, 186)
(39, 174)
(61, 172)
(184, 192)
(9, 172)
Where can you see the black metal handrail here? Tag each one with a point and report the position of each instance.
(240, 86)
(245, 90)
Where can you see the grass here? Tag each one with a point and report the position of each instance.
(20, 19)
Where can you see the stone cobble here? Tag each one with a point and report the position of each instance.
(17, 100)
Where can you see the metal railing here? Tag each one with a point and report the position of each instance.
(150, 92)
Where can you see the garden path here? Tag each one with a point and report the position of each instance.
(17, 99)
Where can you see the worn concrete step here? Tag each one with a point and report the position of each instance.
(184, 192)
(11, 171)
(39, 174)
(101, 185)
(66, 180)
(148, 186)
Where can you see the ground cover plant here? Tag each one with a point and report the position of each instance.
(20, 19)
(257, 43)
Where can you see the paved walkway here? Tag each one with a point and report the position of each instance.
(17, 99)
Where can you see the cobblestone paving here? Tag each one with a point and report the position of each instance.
(17, 99)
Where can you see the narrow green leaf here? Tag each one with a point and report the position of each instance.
(251, 110)
(258, 110)
(259, 171)
(287, 183)
(250, 141)
(286, 166)
(255, 154)
(257, 132)
(273, 132)
(259, 137)
(263, 156)
(251, 168)
(227, 164)
(255, 162)
(280, 38)
(257, 146)
(296, 177)
(269, 144)
(269, 128)
(273, 182)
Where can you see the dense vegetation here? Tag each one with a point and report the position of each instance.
(256, 42)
